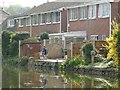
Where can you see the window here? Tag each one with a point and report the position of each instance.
(56, 17)
(83, 12)
(28, 21)
(92, 11)
(21, 22)
(35, 19)
(104, 37)
(94, 37)
(48, 18)
(10, 23)
(42, 18)
(104, 10)
(73, 14)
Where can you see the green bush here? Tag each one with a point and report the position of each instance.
(113, 46)
(77, 61)
(10, 42)
(6, 35)
(44, 36)
(24, 61)
(86, 49)
(31, 39)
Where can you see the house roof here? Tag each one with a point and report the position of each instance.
(56, 5)
(50, 6)
(4, 12)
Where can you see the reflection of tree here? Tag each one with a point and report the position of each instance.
(83, 81)
(10, 77)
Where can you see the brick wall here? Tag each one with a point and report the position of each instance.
(97, 26)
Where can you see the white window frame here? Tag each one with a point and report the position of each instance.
(92, 12)
(104, 37)
(36, 19)
(104, 10)
(83, 13)
(55, 17)
(48, 18)
(73, 14)
(10, 23)
(21, 22)
(95, 37)
(28, 18)
(42, 18)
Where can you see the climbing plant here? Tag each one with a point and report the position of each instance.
(86, 49)
(10, 42)
(6, 35)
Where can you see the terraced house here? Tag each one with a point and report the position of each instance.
(76, 20)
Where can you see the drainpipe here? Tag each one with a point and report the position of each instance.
(19, 47)
(30, 26)
(110, 21)
(60, 20)
(67, 21)
(71, 50)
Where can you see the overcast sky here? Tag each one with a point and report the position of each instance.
(23, 3)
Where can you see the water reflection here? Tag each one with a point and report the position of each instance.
(36, 78)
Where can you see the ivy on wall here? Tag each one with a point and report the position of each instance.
(10, 42)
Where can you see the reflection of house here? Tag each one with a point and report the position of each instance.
(89, 20)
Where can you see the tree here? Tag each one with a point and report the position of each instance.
(16, 9)
(10, 42)
(44, 36)
(114, 44)
(6, 35)
(86, 49)
(14, 45)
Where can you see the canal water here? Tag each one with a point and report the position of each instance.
(36, 78)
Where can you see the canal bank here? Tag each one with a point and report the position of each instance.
(31, 78)
(55, 64)
(109, 72)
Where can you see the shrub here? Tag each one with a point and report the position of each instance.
(31, 39)
(14, 46)
(77, 61)
(10, 42)
(44, 36)
(114, 45)
(6, 35)
(24, 61)
(86, 49)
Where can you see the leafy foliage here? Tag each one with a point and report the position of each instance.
(14, 47)
(10, 42)
(44, 36)
(114, 44)
(86, 49)
(31, 39)
(24, 61)
(73, 62)
(6, 43)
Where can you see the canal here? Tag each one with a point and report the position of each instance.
(37, 78)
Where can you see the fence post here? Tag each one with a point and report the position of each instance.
(71, 50)
(44, 42)
(19, 47)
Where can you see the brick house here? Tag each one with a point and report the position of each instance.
(3, 17)
(81, 20)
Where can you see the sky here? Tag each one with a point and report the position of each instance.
(24, 3)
